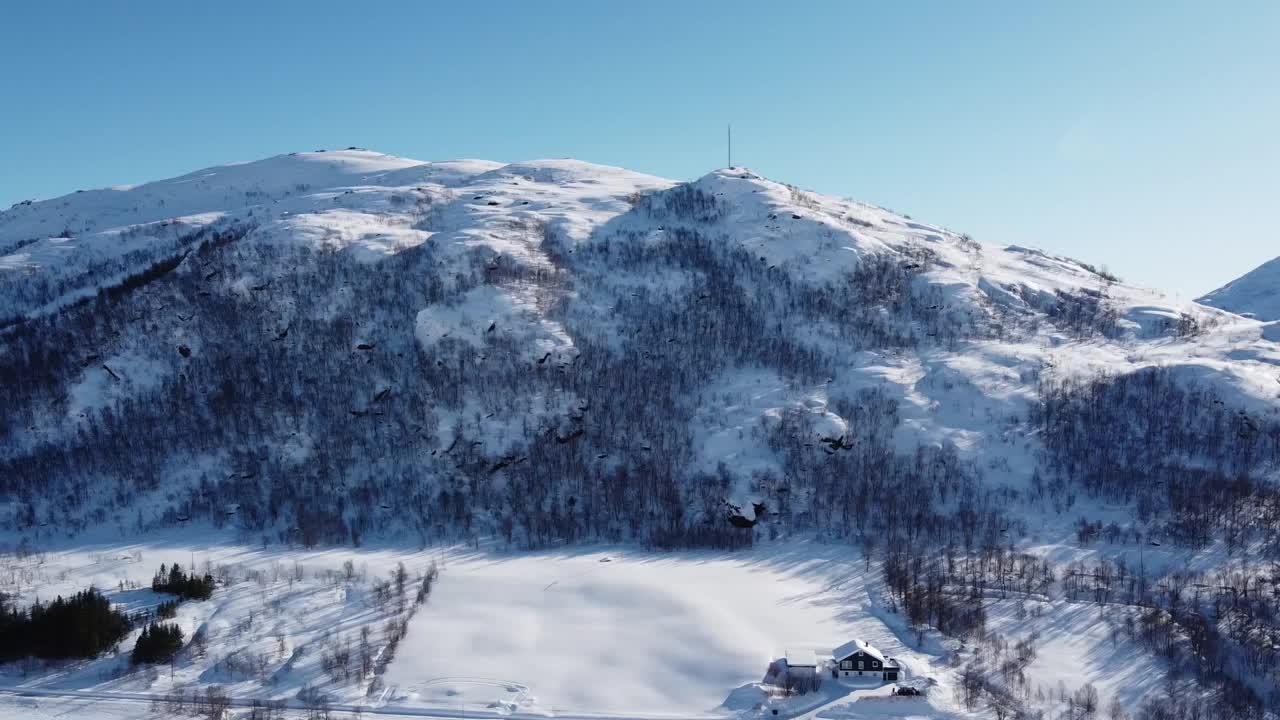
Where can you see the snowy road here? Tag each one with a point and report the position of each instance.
(124, 698)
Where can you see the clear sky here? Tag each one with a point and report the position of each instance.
(1140, 135)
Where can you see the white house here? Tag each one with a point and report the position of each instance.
(857, 658)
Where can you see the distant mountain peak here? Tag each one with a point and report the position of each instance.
(1255, 294)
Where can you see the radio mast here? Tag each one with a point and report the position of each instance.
(730, 135)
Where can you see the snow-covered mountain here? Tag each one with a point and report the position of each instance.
(1254, 294)
(339, 343)
(332, 347)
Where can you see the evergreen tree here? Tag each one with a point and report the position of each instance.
(158, 643)
(177, 582)
(80, 626)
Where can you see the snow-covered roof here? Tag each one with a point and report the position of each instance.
(857, 646)
(801, 658)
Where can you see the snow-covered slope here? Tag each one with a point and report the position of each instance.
(1254, 294)
(69, 242)
(732, 327)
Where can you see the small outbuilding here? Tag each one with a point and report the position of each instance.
(796, 671)
(801, 660)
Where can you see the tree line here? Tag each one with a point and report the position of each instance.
(80, 626)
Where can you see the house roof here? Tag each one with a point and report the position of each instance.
(801, 658)
(857, 646)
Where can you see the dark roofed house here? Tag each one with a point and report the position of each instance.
(857, 659)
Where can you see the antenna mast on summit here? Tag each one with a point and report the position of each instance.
(730, 134)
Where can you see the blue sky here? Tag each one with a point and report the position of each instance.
(1137, 135)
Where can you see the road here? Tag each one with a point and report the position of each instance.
(438, 713)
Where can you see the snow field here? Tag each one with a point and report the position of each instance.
(626, 631)
(590, 632)
(594, 632)
(274, 618)
(1074, 641)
